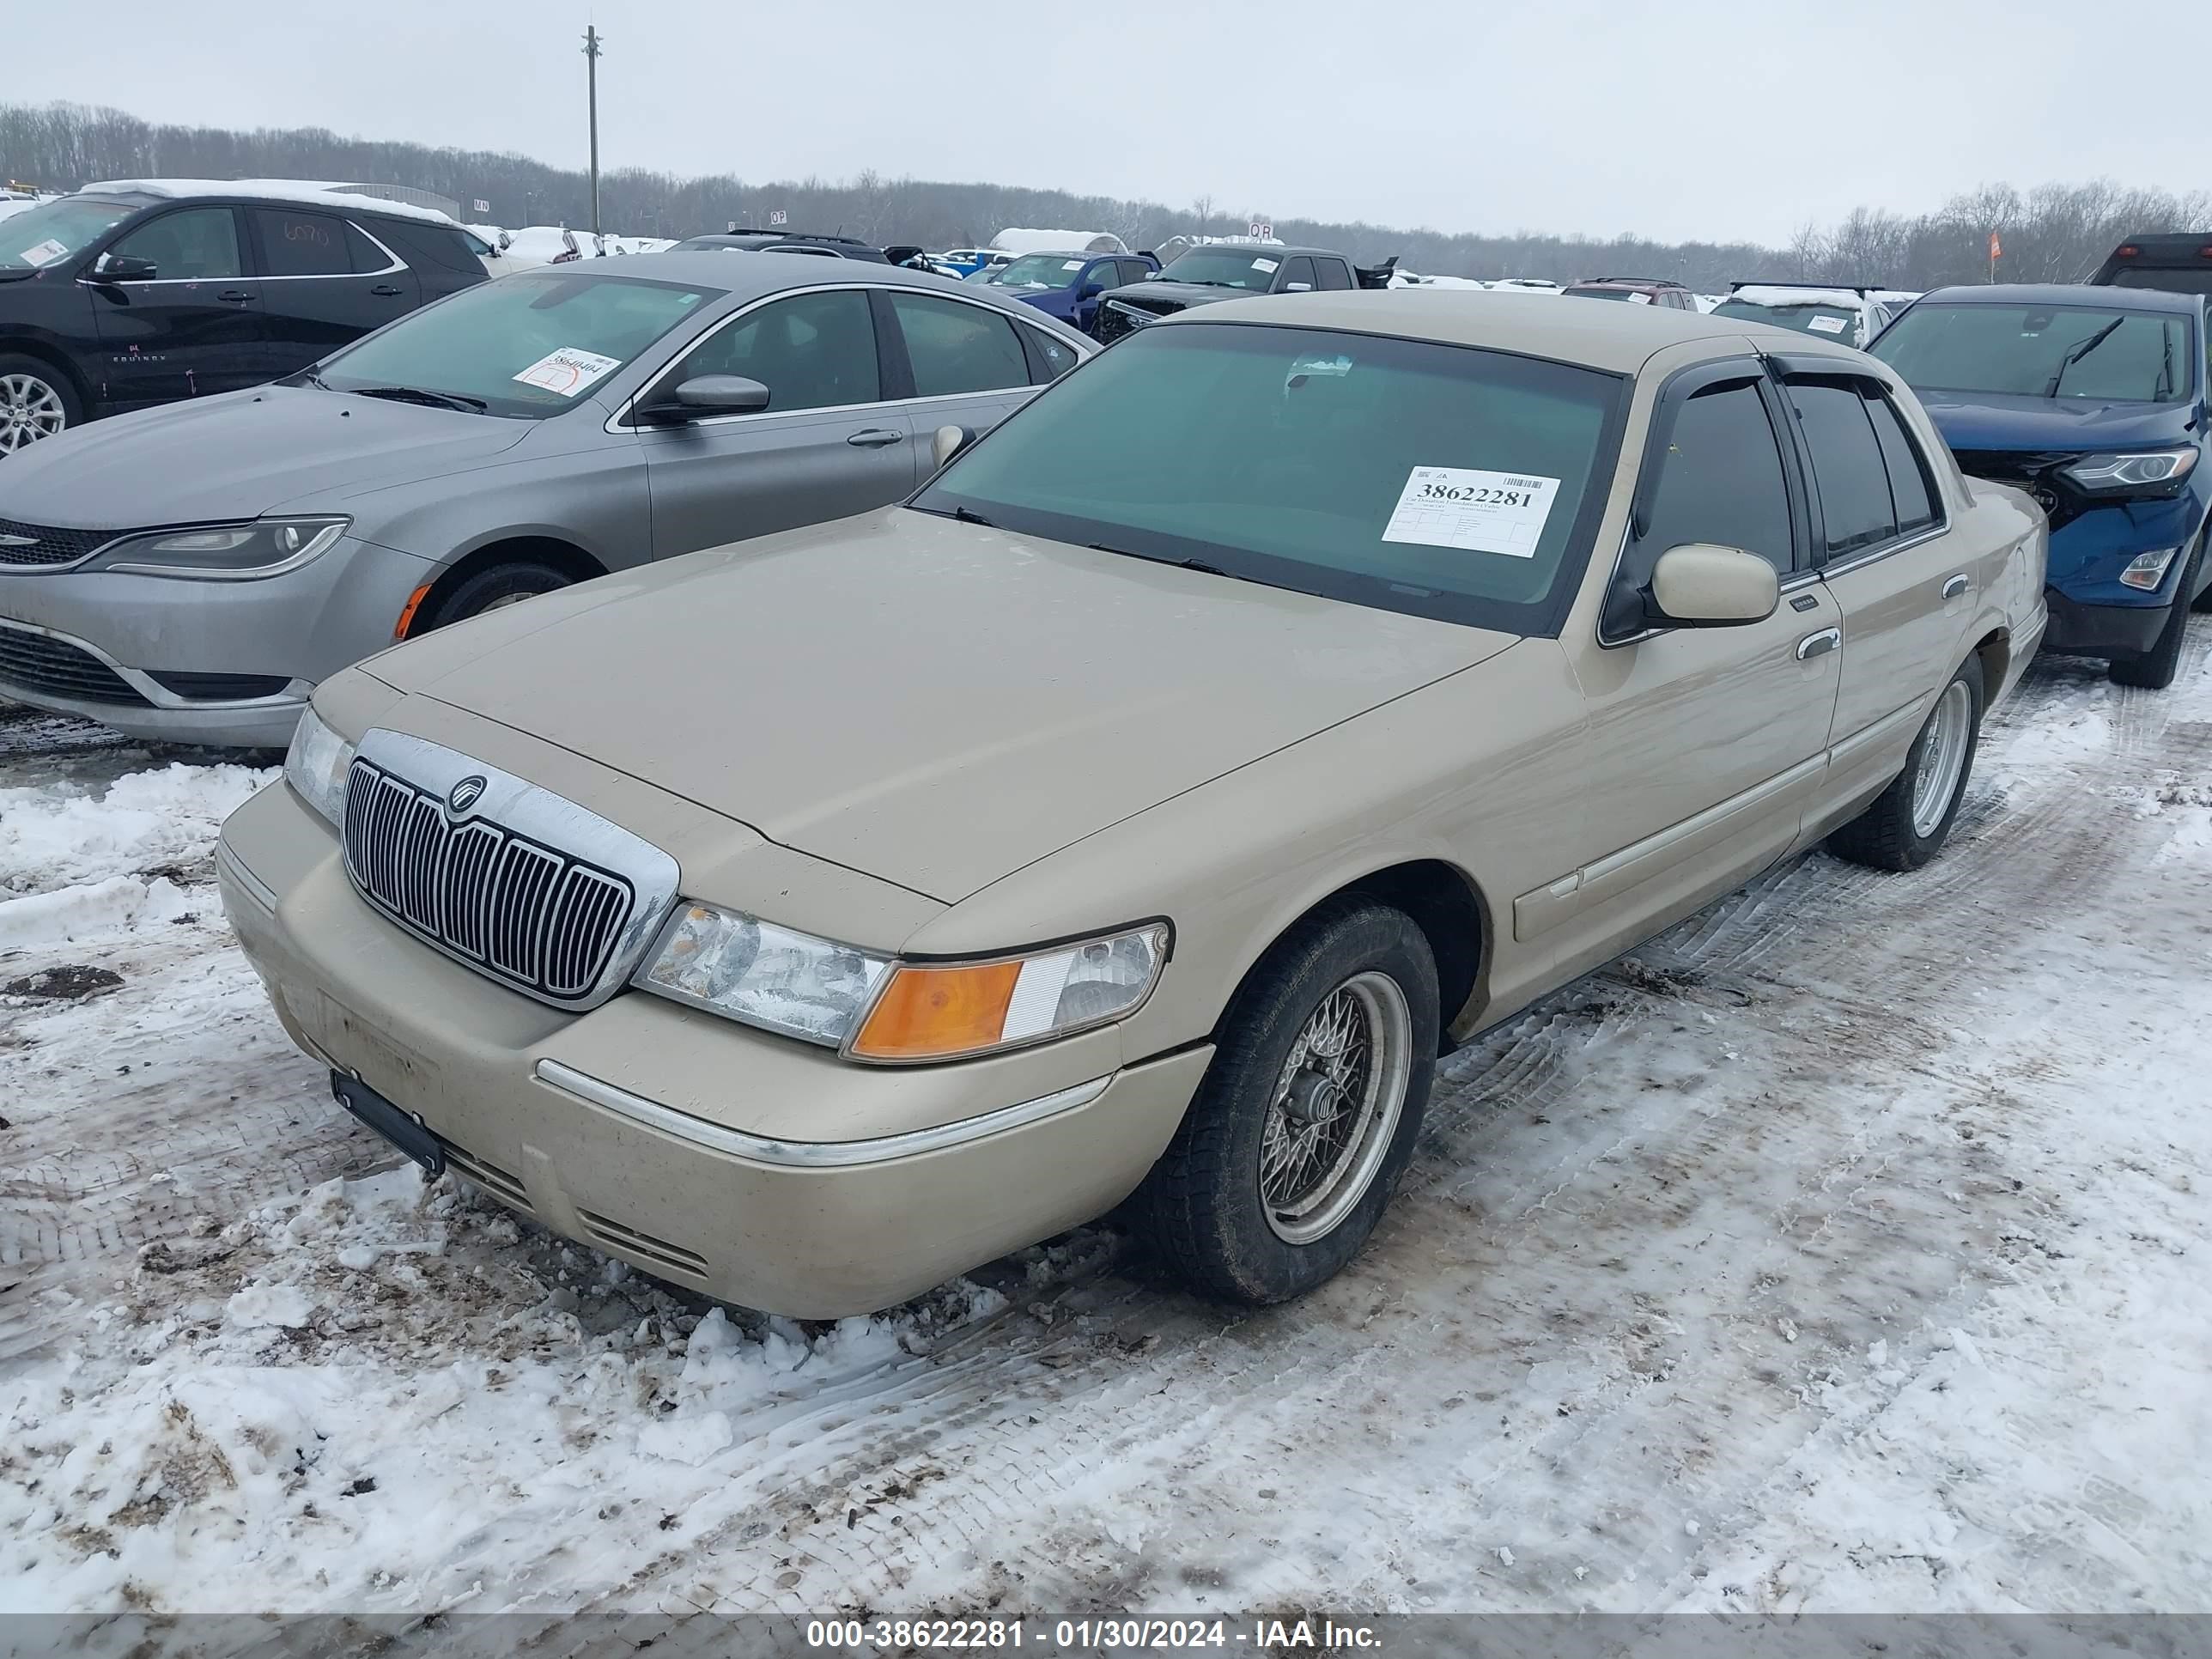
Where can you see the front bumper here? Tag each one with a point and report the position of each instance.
(96, 643)
(2102, 630)
(626, 1128)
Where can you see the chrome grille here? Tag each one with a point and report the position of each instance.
(540, 919)
(45, 544)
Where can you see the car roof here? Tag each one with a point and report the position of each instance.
(1616, 338)
(2110, 297)
(763, 273)
(1624, 282)
(1269, 249)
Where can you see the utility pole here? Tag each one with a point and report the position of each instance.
(591, 74)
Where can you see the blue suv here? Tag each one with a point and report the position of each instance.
(1067, 285)
(2094, 400)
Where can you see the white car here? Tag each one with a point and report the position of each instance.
(1848, 316)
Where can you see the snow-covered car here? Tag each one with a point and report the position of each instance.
(1851, 316)
(191, 574)
(809, 922)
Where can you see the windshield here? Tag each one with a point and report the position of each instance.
(2193, 279)
(527, 345)
(54, 230)
(1042, 271)
(2082, 351)
(1437, 480)
(1834, 321)
(1251, 269)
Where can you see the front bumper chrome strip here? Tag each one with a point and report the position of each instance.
(814, 1154)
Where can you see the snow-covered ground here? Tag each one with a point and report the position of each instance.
(1849, 1248)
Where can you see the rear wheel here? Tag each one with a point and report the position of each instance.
(1308, 1115)
(492, 588)
(36, 402)
(1911, 820)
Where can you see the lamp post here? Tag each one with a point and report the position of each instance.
(592, 44)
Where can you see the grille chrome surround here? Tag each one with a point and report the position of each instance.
(41, 546)
(528, 889)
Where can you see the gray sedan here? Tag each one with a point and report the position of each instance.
(192, 572)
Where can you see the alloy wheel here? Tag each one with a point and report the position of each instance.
(30, 408)
(1942, 757)
(1335, 1109)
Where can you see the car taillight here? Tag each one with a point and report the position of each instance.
(2127, 252)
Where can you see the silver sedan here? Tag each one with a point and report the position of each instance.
(193, 572)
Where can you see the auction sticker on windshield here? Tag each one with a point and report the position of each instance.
(1467, 507)
(44, 254)
(568, 370)
(1826, 325)
(1265, 265)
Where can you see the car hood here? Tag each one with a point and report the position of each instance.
(1991, 421)
(241, 455)
(1175, 296)
(933, 703)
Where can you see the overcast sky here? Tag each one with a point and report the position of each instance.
(1689, 118)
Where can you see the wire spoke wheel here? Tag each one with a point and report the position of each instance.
(30, 409)
(1335, 1108)
(1942, 757)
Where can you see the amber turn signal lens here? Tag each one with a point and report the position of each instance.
(928, 1013)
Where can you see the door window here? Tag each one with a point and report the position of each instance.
(1720, 481)
(957, 348)
(1848, 473)
(1295, 271)
(1135, 271)
(811, 351)
(1332, 273)
(192, 244)
(302, 244)
(1909, 489)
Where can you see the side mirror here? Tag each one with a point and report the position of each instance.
(1092, 290)
(1297, 287)
(947, 441)
(124, 268)
(714, 394)
(1698, 585)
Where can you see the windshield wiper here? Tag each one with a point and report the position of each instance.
(416, 394)
(1199, 565)
(2077, 354)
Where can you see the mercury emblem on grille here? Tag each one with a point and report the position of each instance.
(464, 795)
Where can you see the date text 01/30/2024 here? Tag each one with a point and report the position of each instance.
(1080, 1635)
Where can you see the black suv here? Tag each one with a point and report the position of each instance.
(782, 241)
(120, 297)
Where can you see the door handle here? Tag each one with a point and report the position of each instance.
(875, 438)
(231, 296)
(1820, 644)
(1956, 585)
(385, 291)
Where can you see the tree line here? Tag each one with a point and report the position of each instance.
(2052, 233)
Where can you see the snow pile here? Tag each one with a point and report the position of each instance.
(53, 837)
(1755, 293)
(1019, 240)
(275, 190)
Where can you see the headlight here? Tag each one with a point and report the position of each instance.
(944, 1011)
(245, 552)
(732, 963)
(317, 765)
(2142, 470)
(875, 1008)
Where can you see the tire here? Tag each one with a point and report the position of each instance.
(36, 401)
(1903, 829)
(495, 585)
(1369, 966)
(2154, 669)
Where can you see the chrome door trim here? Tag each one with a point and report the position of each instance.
(1875, 555)
(91, 279)
(620, 422)
(813, 1154)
